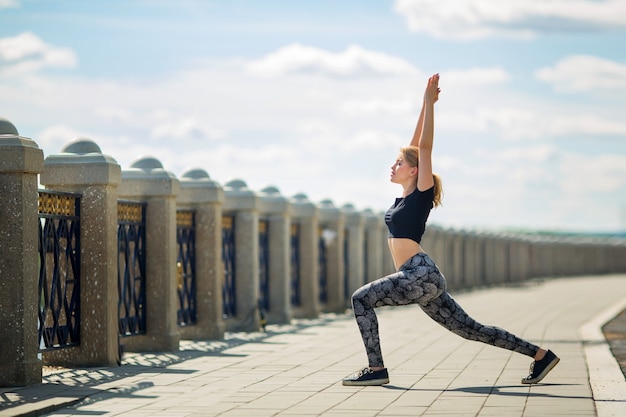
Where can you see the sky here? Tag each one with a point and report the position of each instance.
(317, 97)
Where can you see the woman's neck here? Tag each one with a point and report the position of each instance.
(408, 188)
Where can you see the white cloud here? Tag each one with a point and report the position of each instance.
(476, 76)
(27, 53)
(379, 105)
(186, 129)
(473, 19)
(353, 61)
(605, 173)
(585, 73)
(513, 123)
(53, 138)
(8, 4)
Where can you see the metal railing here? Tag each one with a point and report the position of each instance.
(264, 266)
(59, 270)
(131, 267)
(322, 261)
(186, 267)
(295, 264)
(229, 293)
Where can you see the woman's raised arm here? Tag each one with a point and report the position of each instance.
(425, 142)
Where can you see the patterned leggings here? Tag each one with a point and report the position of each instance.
(419, 281)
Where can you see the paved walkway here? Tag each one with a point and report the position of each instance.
(296, 370)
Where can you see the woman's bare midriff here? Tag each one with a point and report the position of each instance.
(402, 250)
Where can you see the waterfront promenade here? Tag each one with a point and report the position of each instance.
(296, 369)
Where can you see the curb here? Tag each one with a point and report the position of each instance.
(605, 375)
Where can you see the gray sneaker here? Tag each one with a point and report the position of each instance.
(367, 377)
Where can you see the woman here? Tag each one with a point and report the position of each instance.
(418, 280)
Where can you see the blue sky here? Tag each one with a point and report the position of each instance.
(318, 96)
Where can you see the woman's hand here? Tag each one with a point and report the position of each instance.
(431, 95)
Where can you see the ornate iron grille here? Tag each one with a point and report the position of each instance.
(229, 293)
(59, 270)
(295, 264)
(323, 273)
(264, 251)
(131, 267)
(186, 267)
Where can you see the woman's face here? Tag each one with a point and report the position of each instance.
(401, 171)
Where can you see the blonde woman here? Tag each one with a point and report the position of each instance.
(418, 279)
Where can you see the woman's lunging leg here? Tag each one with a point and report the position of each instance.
(415, 282)
(368, 323)
(445, 311)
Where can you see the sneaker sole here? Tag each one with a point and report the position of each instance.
(544, 373)
(371, 382)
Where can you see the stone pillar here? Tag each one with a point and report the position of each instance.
(428, 240)
(147, 181)
(446, 261)
(501, 259)
(243, 203)
(20, 162)
(376, 243)
(490, 276)
(205, 197)
(304, 216)
(470, 260)
(458, 271)
(277, 211)
(388, 266)
(354, 238)
(82, 168)
(519, 259)
(332, 231)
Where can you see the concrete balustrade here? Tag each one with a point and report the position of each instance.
(354, 238)
(20, 162)
(243, 204)
(82, 168)
(205, 197)
(331, 220)
(276, 209)
(146, 180)
(355, 246)
(375, 238)
(305, 218)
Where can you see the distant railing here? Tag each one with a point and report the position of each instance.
(323, 268)
(295, 264)
(59, 270)
(229, 293)
(185, 267)
(131, 267)
(264, 256)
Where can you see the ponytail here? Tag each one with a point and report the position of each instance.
(438, 191)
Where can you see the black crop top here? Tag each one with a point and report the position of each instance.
(406, 218)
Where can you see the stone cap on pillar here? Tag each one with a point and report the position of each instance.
(272, 201)
(239, 196)
(196, 186)
(19, 154)
(371, 219)
(147, 177)
(301, 206)
(329, 212)
(351, 215)
(7, 128)
(80, 162)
